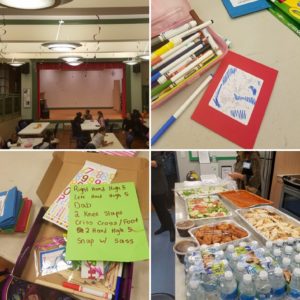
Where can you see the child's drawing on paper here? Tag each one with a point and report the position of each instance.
(237, 94)
(236, 3)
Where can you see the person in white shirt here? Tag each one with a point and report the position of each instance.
(98, 140)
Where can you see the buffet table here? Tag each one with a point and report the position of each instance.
(181, 214)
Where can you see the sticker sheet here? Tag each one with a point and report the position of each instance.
(91, 173)
(237, 94)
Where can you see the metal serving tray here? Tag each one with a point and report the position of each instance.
(242, 211)
(208, 218)
(223, 245)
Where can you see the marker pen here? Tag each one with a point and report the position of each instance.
(198, 61)
(176, 69)
(212, 42)
(190, 73)
(180, 111)
(173, 32)
(178, 39)
(86, 290)
(156, 59)
(176, 61)
(177, 49)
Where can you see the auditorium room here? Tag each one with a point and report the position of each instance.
(74, 75)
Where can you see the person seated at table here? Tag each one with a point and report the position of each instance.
(101, 119)
(88, 115)
(98, 140)
(78, 120)
(14, 141)
(48, 141)
(127, 127)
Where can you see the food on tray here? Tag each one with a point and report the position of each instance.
(37, 126)
(206, 207)
(244, 199)
(271, 225)
(220, 233)
(200, 191)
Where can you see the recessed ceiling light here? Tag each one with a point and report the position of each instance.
(69, 59)
(130, 62)
(144, 56)
(16, 63)
(32, 4)
(61, 46)
(75, 63)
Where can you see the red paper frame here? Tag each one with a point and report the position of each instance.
(240, 134)
(84, 67)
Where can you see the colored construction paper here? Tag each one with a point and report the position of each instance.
(237, 8)
(105, 224)
(236, 100)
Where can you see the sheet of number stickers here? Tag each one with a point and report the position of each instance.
(90, 173)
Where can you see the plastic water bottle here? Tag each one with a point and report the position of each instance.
(289, 252)
(247, 288)
(229, 251)
(228, 290)
(189, 253)
(240, 272)
(278, 284)
(234, 261)
(269, 248)
(195, 290)
(296, 263)
(287, 264)
(194, 271)
(277, 255)
(297, 248)
(210, 286)
(278, 245)
(263, 286)
(254, 245)
(295, 285)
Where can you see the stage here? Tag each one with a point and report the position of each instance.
(66, 115)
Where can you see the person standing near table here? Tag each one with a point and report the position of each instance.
(159, 190)
(247, 171)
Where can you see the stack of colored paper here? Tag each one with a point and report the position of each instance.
(14, 211)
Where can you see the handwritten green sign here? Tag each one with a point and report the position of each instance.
(105, 223)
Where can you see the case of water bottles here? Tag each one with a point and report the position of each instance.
(169, 14)
(245, 272)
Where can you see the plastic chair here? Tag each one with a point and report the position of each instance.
(162, 296)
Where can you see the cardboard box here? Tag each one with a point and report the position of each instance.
(60, 172)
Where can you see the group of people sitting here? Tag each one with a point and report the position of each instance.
(84, 139)
(48, 142)
(134, 126)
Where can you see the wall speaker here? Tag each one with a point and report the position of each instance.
(25, 69)
(136, 68)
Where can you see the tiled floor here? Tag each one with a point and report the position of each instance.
(162, 260)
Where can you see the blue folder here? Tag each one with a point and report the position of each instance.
(246, 8)
(12, 206)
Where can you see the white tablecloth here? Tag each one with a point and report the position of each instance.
(28, 143)
(34, 129)
(90, 125)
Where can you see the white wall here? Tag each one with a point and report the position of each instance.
(79, 88)
(185, 165)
